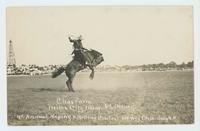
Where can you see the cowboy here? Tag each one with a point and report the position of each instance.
(79, 50)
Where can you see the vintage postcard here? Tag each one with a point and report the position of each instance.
(100, 65)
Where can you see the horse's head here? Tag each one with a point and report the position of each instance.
(98, 57)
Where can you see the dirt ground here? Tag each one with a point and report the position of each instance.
(108, 99)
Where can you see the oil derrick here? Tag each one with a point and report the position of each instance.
(11, 57)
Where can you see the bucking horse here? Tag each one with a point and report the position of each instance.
(75, 66)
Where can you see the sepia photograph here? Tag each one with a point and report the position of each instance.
(100, 65)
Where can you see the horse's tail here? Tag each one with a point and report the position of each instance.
(57, 72)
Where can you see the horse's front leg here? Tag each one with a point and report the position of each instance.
(92, 73)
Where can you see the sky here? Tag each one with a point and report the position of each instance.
(125, 35)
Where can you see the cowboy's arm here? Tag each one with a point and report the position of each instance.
(70, 39)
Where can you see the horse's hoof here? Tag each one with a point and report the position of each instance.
(91, 77)
(71, 91)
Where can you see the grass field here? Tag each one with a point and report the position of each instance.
(110, 98)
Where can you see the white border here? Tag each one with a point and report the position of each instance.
(3, 80)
